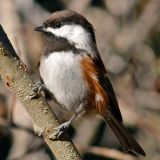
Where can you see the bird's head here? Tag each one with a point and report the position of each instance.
(70, 26)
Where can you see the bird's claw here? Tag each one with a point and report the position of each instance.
(60, 132)
(36, 90)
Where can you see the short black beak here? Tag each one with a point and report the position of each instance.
(40, 29)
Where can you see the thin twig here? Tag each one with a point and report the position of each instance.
(109, 153)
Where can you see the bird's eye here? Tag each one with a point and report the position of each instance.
(57, 24)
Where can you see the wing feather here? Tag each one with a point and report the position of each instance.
(107, 86)
(113, 103)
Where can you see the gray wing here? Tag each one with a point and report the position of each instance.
(107, 86)
(113, 103)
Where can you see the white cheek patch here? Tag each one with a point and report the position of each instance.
(75, 34)
(64, 31)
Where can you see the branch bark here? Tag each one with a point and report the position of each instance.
(44, 120)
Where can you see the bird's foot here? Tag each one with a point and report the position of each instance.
(36, 90)
(60, 132)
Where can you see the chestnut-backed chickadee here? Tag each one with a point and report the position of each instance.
(72, 71)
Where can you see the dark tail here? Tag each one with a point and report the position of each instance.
(126, 140)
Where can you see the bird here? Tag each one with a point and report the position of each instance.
(74, 76)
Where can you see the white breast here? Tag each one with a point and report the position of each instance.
(62, 75)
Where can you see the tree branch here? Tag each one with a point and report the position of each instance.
(110, 153)
(15, 77)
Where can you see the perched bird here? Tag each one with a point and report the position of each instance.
(74, 75)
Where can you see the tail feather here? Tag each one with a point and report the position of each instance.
(127, 142)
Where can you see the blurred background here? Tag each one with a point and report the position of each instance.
(128, 38)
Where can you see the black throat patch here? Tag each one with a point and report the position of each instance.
(58, 44)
